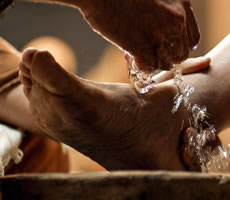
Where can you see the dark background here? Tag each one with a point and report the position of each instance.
(25, 21)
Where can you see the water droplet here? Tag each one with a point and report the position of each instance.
(217, 160)
(195, 48)
(142, 81)
(210, 161)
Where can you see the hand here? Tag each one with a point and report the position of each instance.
(158, 33)
(189, 66)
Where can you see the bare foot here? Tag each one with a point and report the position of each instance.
(41, 154)
(18, 113)
(110, 123)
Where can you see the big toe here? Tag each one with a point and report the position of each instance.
(42, 68)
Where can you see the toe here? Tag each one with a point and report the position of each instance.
(25, 81)
(49, 74)
(25, 71)
(27, 56)
(26, 91)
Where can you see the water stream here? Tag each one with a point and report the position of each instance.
(217, 160)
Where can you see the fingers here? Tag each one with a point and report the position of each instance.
(189, 66)
(195, 65)
(163, 76)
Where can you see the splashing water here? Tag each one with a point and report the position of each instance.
(184, 91)
(195, 47)
(142, 81)
(199, 115)
(217, 160)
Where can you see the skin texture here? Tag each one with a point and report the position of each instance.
(120, 100)
(157, 33)
(110, 122)
(15, 112)
(160, 43)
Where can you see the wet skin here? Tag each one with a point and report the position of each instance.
(18, 113)
(111, 123)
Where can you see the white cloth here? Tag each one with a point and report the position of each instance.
(10, 139)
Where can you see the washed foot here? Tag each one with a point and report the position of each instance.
(110, 123)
